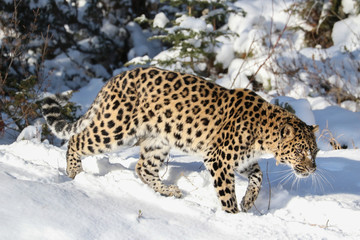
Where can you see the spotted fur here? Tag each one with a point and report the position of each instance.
(163, 109)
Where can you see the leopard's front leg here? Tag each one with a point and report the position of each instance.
(254, 174)
(224, 183)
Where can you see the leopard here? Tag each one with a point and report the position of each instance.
(160, 110)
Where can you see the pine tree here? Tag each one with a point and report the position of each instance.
(194, 34)
(34, 32)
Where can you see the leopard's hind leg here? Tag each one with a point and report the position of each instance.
(73, 158)
(153, 153)
(93, 140)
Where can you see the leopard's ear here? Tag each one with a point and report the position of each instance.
(287, 132)
(314, 128)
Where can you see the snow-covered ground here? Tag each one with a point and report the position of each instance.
(108, 200)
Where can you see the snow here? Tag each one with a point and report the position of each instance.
(349, 6)
(224, 53)
(193, 23)
(347, 33)
(30, 132)
(235, 78)
(35, 4)
(342, 123)
(141, 46)
(108, 201)
(109, 29)
(65, 67)
(88, 93)
(160, 20)
(301, 107)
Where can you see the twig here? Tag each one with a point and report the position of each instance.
(267, 177)
(139, 216)
(258, 210)
(320, 226)
(327, 134)
(166, 166)
(242, 64)
(187, 178)
(271, 51)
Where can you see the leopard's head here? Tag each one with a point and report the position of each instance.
(297, 146)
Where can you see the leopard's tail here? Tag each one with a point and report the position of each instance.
(51, 110)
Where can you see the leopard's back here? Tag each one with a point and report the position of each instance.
(184, 109)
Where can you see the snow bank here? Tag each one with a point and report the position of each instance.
(346, 33)
(301, 107)
(343, 125)
(30, 132)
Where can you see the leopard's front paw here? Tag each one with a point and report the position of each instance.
(246, 203)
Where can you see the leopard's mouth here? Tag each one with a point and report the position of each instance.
(303, 171)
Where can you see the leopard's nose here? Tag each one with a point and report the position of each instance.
(311, 168)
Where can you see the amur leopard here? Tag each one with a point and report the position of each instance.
(162, 109)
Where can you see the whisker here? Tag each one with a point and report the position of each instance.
(295, 182)
(323, 179)
(287, 178)
(298, 184)
(319, 180)
(281, 171)
(316, 182)
(281, 176)
(324, 171)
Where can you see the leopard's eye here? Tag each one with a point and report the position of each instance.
(313, 155)
(316, 151)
